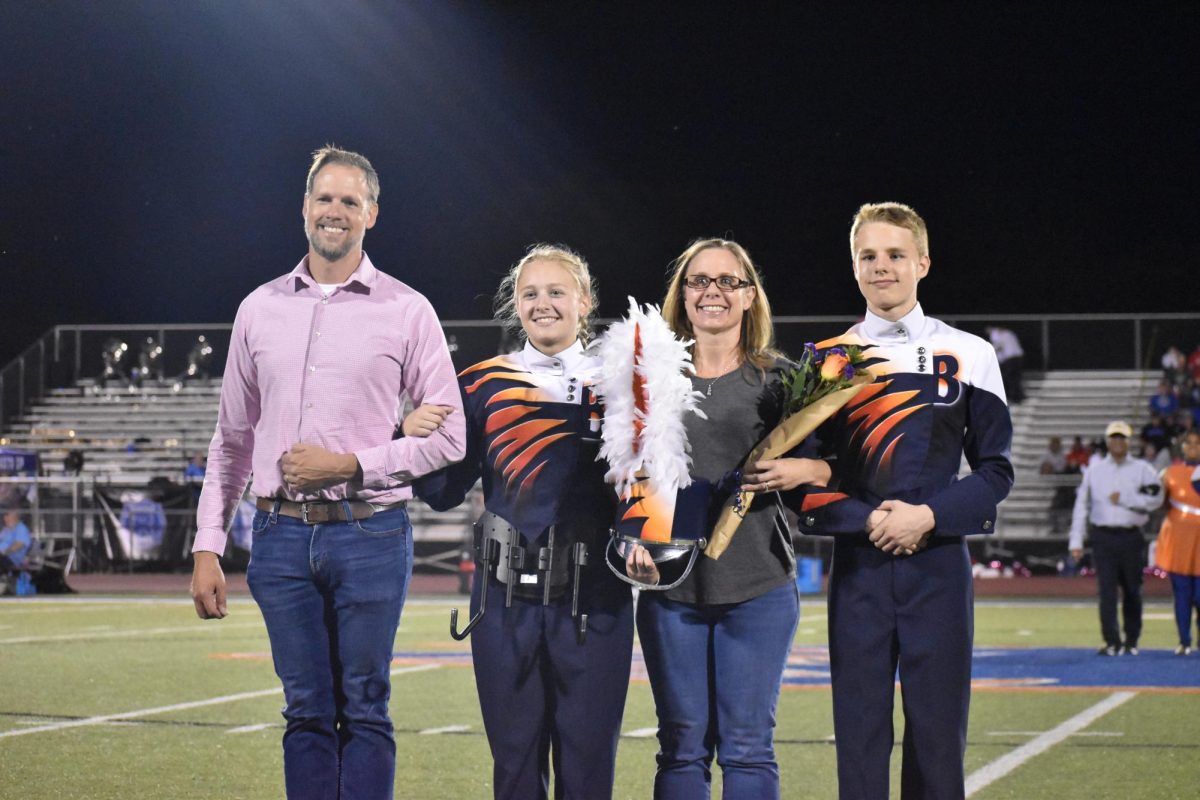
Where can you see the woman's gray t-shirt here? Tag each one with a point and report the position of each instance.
(742, 407)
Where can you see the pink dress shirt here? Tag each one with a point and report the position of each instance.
(330, 371)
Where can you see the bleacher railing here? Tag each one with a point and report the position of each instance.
(67, 353)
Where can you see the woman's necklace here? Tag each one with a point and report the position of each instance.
(711, 383)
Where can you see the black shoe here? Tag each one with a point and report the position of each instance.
(1109, 650)
(1129, 650)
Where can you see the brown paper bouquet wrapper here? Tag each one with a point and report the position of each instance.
(786, 435)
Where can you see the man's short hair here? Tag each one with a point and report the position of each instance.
(893, 214)
(331, 154)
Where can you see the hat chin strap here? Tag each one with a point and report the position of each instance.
(696, 546)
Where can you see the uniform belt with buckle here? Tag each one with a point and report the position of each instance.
(316, 512)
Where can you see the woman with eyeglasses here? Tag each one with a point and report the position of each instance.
(716, 645)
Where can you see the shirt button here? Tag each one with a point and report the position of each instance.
(987, 524)
(324, 300)
(570, 397)
(810, 520)
(312, 369)
(308, 405)
(318, 333)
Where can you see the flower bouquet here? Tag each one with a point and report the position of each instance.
(813, 392)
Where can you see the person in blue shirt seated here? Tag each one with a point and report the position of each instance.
(15, 540)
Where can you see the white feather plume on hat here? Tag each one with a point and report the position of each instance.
(659, 450)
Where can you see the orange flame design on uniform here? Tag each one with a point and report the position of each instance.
(519, 441)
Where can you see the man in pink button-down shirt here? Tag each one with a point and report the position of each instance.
(319, 362)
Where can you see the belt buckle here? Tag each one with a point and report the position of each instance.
(304, 514)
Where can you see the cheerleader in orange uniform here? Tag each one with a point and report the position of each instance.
(1178, 550)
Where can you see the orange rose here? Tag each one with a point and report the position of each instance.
(832, 366)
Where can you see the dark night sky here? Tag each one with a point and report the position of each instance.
(153, 151)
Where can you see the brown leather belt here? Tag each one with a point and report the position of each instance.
(316, 512)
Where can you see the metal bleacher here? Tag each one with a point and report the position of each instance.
(126, 434)
(1064, 403)
(130, 435)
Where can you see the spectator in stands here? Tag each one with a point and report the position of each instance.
(1189, 394)
(1078, 456)
(1012, 361)
(1192, 401)
(325, 354)
(1193, 364)
(1173, 362)
(196, 468)
(1155, 432)
(1054, 462)
(15, 541)
(1179, 424)
(1157, 457)
(1113, 504)
(1164, 402)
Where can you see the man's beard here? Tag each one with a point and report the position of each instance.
(327, 253)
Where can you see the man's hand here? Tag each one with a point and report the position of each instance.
(309, 467)
(208, 585)
(1115, 498)
(423, 420)
(1077, 554)
(782, 474)
(874, 518)
(904, 530)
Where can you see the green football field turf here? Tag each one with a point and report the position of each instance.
(136, 698)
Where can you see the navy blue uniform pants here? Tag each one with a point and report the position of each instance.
(914, 613)
(543, 694)
(1186, 589)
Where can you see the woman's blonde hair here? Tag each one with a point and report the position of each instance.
(757, 340)
(505, 303)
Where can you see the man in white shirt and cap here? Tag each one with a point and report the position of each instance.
(1113, 504)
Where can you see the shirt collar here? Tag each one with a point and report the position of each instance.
(905, 329)
(360, 281)
(568, 360)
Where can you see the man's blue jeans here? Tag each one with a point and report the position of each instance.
(715, 671)
(331, 596)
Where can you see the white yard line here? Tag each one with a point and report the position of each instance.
(1010, 761)
(444, 729)
(149, 712)
(640, 733)
(262, 726)
(197, 627)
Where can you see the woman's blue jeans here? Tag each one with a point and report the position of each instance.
(715, 671)
(331, 596)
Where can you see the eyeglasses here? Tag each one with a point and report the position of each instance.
(726, 283)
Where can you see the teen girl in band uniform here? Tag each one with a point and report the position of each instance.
(533, 427)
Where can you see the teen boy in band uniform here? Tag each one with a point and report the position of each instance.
(900, 591)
